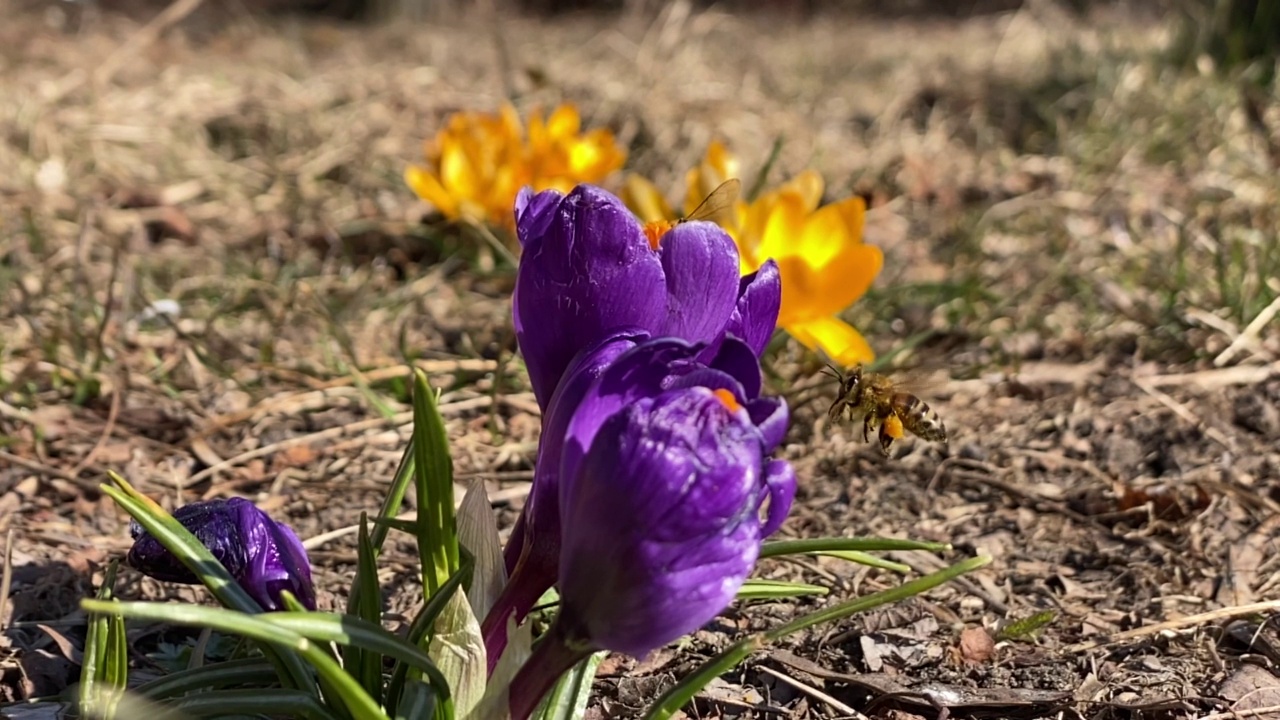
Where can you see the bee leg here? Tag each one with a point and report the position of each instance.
(866, 426)
(886, 438)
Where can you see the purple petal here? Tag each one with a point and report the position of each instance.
(736, 358)
(277, 561)
(639, 373)
(771, 417)
(688, 473)
(781, 480)
(701, 266)
(756, 315)
(534, 212)
(540, 518)
(585, 271)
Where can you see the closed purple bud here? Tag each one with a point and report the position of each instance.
(264, 556)
(587, 269)
(662, 525)
(663, 521)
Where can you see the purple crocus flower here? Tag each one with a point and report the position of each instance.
(587, 270)
(264, 556)
(589, 283)
(602, 390)
(664, 479)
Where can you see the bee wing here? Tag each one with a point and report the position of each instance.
(721, 199)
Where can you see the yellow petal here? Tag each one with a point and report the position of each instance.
(838, 339)
(645, 200)
(564, 122)
(809, 184)
(717, 166)
(427, 187)
(810, 292)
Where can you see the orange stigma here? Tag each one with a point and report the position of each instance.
(728, 399)
(655, 230)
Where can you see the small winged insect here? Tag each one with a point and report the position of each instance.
(711, 208)
(883, 403)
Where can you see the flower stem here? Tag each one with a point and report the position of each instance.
(527, 583)
(558, 651)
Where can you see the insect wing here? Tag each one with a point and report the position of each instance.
(721, 199)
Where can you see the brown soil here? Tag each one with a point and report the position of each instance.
(1079, 241)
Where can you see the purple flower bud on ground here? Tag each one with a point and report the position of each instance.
(661, 501)
(586, 270)
(264, 556)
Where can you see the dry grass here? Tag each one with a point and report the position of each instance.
(1048, 195)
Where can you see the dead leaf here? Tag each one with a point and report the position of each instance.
(1251, 687)
(976, 646)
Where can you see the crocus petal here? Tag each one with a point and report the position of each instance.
(542, 512)
(755, 317)
(688, 471)
(781, 480)
(828, 267)
(701, 266)
(645, 199)
(838, 339)
(771, 416)
(214, 523)
(534, 212)
(582, 274)
(639, 373)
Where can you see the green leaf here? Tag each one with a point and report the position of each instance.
(675, 698)
(418, 702)
(242, 671)
(433, 476)
(778, 548)
(568, 699)
(868, 559)
(266, 628)
(103, 674)
(478, 535)
(1026, 627)
(754, 589)
(257, 702)
(365, 602)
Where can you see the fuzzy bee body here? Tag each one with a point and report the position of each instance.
(883, 404)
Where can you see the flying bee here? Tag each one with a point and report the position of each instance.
(711, 208)
(882, 402)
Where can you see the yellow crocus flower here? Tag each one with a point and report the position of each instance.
(824, 264)
(477, 164)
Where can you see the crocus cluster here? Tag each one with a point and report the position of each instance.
(477, 164)
(264, 556)
(653, 486)
(824, 264)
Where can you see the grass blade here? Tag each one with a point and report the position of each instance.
(273, 702)
(675, 698)
(754, 589)
(778, 548)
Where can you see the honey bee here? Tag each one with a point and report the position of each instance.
(711, 207)
(883, 403)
